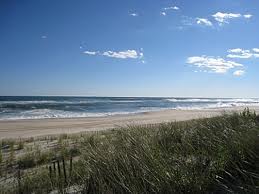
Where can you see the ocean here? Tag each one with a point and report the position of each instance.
(38, 107)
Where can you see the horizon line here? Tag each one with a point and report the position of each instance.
(93, 96)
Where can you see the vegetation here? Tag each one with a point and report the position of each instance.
(1, 156)
(214, 155)
(20, 145)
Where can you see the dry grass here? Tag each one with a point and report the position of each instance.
(215, 155)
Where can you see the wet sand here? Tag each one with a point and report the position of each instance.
(42, 127)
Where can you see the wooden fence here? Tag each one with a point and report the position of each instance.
(59, 170)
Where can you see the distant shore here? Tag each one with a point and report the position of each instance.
(43, 127)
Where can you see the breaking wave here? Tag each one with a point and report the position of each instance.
(13, 108)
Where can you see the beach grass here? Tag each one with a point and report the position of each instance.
(211, 155)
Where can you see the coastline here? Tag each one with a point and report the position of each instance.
(43, 127)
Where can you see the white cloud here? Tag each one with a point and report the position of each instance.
(133, 14)
(171, 8)
(243, 54)
(213, 64)
(44, 37)
(238, 73)
(239, 53)
(204, 21)
(123, 54)
(163, 13)
(91, 52)
(248, 16)
(128, 54)
(256, 50)
(224, 17)
(187, 21)
(236, 50)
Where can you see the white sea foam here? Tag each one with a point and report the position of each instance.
(216, 106)
(48, 114)
(113, 107)
(198, 100)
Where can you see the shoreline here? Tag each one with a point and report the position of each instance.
(26, 128)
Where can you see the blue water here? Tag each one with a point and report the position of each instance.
(35, 107)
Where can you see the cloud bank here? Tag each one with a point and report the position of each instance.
(133, 14)
(222, 18)
(171, 8)
(127, 54)
(243, 54)
(123, 54)
(213, 64)
(239, 73)
(203, 21)
(163, 13)
(221, 65)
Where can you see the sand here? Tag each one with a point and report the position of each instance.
(42, 127)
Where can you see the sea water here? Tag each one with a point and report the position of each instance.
(37, 107)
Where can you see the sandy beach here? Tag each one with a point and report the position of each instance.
(42, 127)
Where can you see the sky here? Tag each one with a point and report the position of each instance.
(181, 48)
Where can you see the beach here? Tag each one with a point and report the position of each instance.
(42, 127)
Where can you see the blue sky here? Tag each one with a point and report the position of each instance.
(129, 48)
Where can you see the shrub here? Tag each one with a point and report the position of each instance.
(11, 157)
(27, 161)
(20, 145)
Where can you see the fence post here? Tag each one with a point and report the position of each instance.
(19, 180)
(59, 171)
(50, 173)
(54, 168)
(59, 176)
(70, 166)
(64, 170)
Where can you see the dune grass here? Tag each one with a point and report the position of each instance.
(200, 156)
(214, 155)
